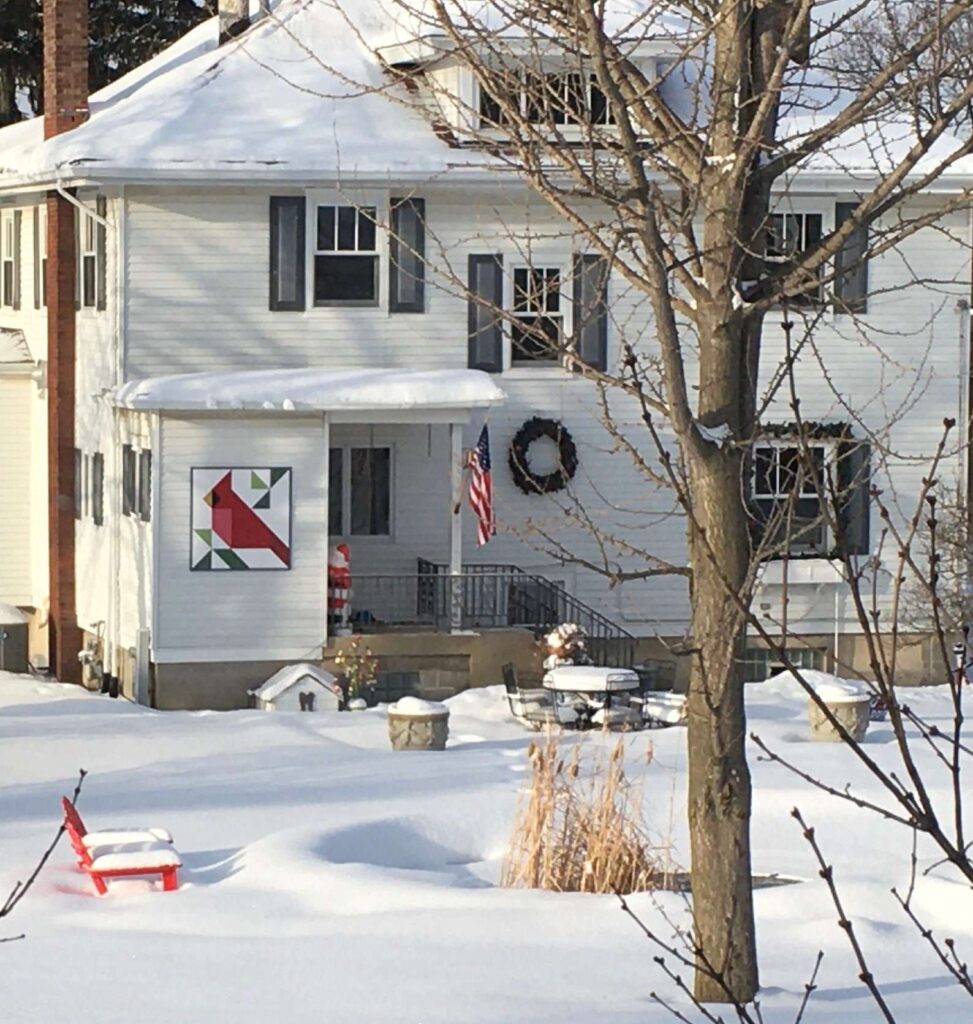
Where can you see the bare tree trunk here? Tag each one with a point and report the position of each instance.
(719, 779)
(720, 553)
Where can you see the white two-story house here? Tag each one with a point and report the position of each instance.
(276, 350)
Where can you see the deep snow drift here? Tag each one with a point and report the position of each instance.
(329, 879)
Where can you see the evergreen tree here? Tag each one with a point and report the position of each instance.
(123, 35)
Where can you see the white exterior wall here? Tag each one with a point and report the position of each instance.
(15, 490)
(30, 424)
(233, 615)
(197, 274)
(97, 373)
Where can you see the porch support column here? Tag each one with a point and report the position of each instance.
(456, 528)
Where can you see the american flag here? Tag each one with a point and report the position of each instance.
(481, 488)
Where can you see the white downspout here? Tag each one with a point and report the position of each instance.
(121, 320)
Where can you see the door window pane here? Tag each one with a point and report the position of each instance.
(370, 491)
(335, 492)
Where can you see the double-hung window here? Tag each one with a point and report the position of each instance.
(360, 492)
(788, 236)
(788, 485)
(537, 328)
(8, 259)
(345, 256)
(89, 261)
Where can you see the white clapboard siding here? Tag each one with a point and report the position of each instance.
(225, 614)
(197, 279)
(15, 489)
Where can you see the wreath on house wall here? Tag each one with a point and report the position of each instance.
(519, 459)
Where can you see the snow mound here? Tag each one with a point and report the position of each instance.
(785, 684)
(369, 868)
(485, 703)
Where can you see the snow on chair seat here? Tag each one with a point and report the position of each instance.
(134, 851)
(120, 863)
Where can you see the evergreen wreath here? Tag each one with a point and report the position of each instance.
(542, 483)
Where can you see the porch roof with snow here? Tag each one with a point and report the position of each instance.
(389, 393)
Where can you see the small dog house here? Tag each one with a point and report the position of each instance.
(301, 687)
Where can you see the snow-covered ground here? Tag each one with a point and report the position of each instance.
(329, 879)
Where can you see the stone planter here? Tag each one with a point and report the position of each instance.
(848, 703)
(418, 724)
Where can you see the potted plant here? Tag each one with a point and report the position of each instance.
(357, 667)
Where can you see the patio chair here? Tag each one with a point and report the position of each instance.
(533, 706)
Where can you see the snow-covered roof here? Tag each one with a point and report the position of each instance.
(301, 95)
(294, 675)
(298, 93)
(13, 347)
(313, 389)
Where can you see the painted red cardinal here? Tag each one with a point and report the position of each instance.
(235, 523)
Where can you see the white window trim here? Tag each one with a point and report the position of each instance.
(88, 222)
(42, 255)
(538, 260)
(346, 535)
(830, 455)
(8, 242)
(329, 197)
(802, 206)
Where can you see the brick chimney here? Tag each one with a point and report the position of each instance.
(65, 65)
(65, 107)
(234, 18)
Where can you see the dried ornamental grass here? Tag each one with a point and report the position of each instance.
(581, 832)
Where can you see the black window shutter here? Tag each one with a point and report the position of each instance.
(145, 486)
(484, 312)
(101, 242)
(854, 482)
(287, 237)
(128, 479)
(18, 222)
(37, 257)
(851, 265)
(78, 484)
(407, 250)
(98, 488)
(591, 310)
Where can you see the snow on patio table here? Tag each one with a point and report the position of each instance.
(327, 878)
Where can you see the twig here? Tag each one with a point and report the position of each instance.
(827, 873)
(21, 889)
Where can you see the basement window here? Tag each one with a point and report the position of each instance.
(345, 256)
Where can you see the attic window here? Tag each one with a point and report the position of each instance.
(345, 256)
(564, 98)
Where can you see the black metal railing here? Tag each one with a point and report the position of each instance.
(483, 597)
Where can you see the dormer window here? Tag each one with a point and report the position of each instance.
(565, 98)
